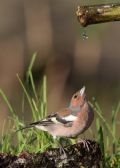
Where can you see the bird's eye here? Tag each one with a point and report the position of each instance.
(75, 96)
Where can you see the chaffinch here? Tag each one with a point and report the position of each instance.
(69, 122)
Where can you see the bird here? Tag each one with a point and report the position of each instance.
(68, 122)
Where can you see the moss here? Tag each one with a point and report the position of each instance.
(77, 156)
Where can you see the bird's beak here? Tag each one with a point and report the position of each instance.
(82, 91)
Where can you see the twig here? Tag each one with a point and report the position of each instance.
(98, 14)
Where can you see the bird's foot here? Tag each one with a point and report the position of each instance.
(62, 152)
(86, 143)
(61, 149)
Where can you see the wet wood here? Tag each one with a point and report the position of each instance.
(77, 156)
(95, 14)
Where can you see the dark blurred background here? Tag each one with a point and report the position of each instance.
(51, 29)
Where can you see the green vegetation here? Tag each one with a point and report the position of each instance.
(107, 138)
(34, 140)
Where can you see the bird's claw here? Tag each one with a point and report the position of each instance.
(62, 152)
(86, 143)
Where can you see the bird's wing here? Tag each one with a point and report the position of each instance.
(64, 117)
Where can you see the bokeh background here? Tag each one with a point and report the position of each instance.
(50, 28)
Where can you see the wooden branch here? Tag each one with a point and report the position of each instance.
(98, 14)
(77, 156)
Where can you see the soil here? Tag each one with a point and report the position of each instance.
(74, 156)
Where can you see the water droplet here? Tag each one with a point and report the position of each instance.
(84, 35)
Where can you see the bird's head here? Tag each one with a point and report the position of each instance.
(78, 99)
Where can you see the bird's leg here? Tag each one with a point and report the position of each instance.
(62, 151)
(86, 143)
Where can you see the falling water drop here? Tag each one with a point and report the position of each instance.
(84, 35)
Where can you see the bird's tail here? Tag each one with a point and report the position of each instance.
(31, 125)
(28, 126)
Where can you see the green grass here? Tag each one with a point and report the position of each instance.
(107, 137)
(34, 140)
